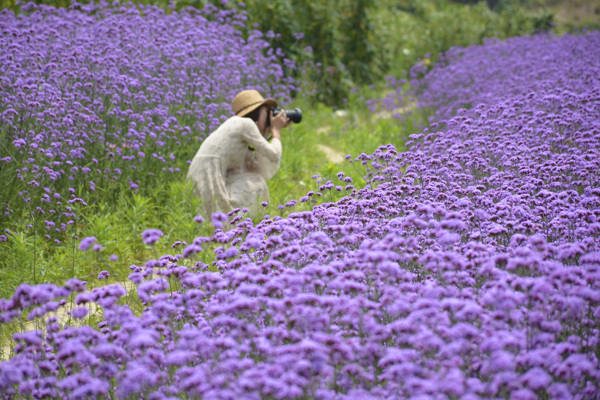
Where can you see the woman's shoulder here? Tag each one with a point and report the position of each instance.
(239, 126)
(239, 122)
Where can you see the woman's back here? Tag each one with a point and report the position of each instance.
(232, 165)
(228, 143)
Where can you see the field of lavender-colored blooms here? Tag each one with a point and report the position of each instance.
(104, 105)
(468, 267)
(102, 100)
(131, 88)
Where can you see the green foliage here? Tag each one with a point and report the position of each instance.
(334, 36)
(431, 28)
(17, 257)
(357, 42)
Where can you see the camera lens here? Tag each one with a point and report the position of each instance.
(295, 114)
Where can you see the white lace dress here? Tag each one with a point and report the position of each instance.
(232, 166)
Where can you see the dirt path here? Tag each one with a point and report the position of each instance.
(64, 316)
(331, 154)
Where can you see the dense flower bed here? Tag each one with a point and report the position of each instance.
(500, 70)
(468, 268)
(114, 98)
(495, 71)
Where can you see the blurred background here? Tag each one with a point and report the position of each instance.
(338, 45)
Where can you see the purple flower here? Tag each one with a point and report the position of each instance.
(179, 357)
(151, 236)
(218, 219)
(103, 275)
(441, 275)
(191, 249)
(536, 379)
(178, 243)
(79, 312)
(86, 242)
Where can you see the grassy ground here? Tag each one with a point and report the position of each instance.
(574, 14)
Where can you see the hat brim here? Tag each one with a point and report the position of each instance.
(267, 102)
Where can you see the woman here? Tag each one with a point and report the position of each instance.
(232, 166)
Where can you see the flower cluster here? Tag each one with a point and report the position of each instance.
(151, 236)
(469, 267)
(115, 98)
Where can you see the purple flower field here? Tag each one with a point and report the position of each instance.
(468, 268)
(118, 97)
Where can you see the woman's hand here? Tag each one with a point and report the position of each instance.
(277, 123)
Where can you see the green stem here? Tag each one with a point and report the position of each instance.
(34, 242)
(74, 242)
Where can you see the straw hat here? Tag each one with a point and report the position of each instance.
(249, 100)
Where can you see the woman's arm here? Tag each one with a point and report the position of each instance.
(267, 155)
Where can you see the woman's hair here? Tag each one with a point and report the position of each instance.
(254, 114)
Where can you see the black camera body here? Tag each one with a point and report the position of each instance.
(295, 114)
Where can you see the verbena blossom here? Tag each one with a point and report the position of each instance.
(151, 236)
(86, 243)
(103, 275)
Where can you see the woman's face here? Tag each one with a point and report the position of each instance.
(263, 117)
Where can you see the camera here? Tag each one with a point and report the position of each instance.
(295, 115)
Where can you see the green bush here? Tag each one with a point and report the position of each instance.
(358, 42)
(341, 44)
(424, 29)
